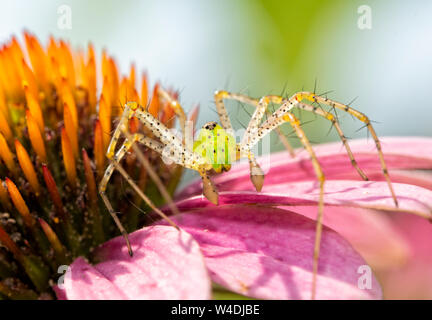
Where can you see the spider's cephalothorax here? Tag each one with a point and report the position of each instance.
(215, 148)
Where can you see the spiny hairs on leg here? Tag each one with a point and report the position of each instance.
(312, 97)
(330, 117)
(129, 142)
(295, 124)
(256, 131)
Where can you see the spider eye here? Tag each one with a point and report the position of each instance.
(210, 125)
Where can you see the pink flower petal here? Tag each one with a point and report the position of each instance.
(267, 253)
(372, 233)
(413, 280)
(347, 211)
(364, 194)
(400, 153)
(167, 264)
(85, 282)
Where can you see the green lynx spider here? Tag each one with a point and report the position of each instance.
(206, 156)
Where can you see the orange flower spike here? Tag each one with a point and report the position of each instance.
(6, 240)
(134, 122)
(16, 50)
(80, 72)
(71, 130)
(105, 121)
(17, 56)
(6, 155)
(19, 203)
(154, 103)
(91, 184)
(110, 79)
(3, 106)
(52, 49)
(34, 107)
(3, 78)
(35, 135)
(124, 93)
(68, 98)
(53, 239)
(144, 90)
(38, 60)
(114, 81)
(5, 128)
(27, 167)
(132, 76)
(134, 95)
(99, 150)
(13, 74)
(105, 64)
(54, 64)
(68, 158)
(106, 92)
(168, 115)
(55, 73)
(133, 125)
(193, 116)
(91, 78)
(67, 63)
(53, 190)
(28, 79)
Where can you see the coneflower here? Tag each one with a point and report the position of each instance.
(55, 125)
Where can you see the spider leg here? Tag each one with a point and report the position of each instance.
(127, 144)
(256, 173)
(219, 96)
(142, 195)
(114, 164)
(329, 116)
(116, 220)
(126, 115)
(298, 97)
(179, 153)
(147, 141)
(295, 123)
(175, 105)
(209, 189)
(158, 129)
(174, 147)
(257, 116)
(269, 125)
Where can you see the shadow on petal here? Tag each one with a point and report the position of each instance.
(267, 253)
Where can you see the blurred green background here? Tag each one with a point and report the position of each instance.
(261, 47)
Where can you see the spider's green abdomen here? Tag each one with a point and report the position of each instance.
(217, 146)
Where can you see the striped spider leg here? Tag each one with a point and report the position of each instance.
(255, 132)
(220, 95)
(244, 148)
(312, 97)
(132, 109)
